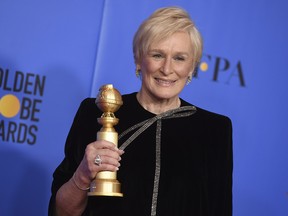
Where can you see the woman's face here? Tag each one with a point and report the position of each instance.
(166, 67)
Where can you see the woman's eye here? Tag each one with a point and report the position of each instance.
(179, 58)
(157, 56)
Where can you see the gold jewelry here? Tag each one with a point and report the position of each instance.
(78, 186)
(188, 80)
(137, 72)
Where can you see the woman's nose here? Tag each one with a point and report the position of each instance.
(167, 66)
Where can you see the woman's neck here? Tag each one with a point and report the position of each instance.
(157, 106)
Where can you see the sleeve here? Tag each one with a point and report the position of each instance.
(82, 132)
(220, 169)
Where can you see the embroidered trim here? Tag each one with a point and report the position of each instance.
(157, 168)
(175, 113)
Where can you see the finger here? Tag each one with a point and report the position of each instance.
(102, 159)
(107, 167)
(101, 148)
(108, 153)
(104, 144)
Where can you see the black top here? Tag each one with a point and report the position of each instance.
(196, 163)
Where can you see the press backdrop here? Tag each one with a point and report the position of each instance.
(53, 54)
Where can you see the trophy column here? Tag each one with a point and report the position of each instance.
(109, 101)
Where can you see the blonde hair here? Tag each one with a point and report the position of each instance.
(163, 23)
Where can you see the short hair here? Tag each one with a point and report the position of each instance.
(163, 23)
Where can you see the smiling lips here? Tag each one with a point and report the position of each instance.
(165, 82)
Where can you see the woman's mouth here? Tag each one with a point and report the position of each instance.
(165, 82)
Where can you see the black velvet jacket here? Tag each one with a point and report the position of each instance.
(196, 163)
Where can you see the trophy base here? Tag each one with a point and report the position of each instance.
(105, 187)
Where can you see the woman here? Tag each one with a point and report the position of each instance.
(179, 164)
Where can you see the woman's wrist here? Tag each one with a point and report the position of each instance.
(79, 184)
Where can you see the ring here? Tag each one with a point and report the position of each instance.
(98, 160)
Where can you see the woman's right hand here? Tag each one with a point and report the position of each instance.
(110, 157)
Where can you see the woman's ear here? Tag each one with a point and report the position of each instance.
(137, 71)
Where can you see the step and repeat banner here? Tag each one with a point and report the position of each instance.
(53, 54)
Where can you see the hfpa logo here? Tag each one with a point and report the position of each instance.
(220, 70)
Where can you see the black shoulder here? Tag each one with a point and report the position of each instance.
(208, 117)
(212, 115)
(129, 97)
(88, 106)
(88, 102)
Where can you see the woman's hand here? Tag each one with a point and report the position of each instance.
(109, 156)
(71, 198)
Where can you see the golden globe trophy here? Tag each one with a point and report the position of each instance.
(109, 101)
